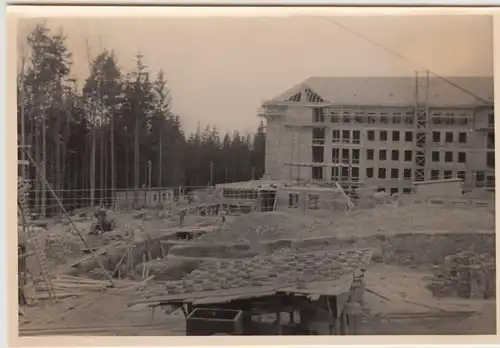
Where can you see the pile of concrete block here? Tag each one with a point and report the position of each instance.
(465, 275)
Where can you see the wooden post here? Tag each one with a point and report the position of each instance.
(279, 330)
(343, 324)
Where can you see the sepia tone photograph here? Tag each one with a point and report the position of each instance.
(250, 176)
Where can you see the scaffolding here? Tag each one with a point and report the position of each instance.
(420, 125)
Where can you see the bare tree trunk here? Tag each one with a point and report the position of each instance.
(23, 121)
(85, 170)
(66, 156)
(113, 177)
(58, 157)
(44, 165)
(160, 162)
(38, 159)
(102, 184)
(126, 168)
(92, 160)
(136, 157)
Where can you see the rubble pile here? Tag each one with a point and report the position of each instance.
(465, 275)
(256, 227)
(59, 247)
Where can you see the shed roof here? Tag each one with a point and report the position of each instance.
(394, 90)
(226, 280)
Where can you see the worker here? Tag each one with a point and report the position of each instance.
(103, 223)
(222, 216)
(182, 215)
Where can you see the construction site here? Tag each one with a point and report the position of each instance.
(210, 263)
(374, 214)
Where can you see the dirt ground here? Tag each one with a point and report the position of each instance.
(395, 302)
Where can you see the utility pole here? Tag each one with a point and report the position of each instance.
(253, 173)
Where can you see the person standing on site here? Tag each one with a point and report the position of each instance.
(182, 215)
(222, 216)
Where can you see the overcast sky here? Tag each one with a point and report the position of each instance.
(221, 69)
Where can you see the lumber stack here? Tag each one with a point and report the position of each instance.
(68, 286)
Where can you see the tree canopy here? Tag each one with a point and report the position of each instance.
(118, 131)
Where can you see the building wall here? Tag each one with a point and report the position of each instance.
(463, 155)
(452, 189)
(148, 198)
(235, 196)
(287, 143)
(325, 200)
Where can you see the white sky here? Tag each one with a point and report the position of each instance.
(220, 69)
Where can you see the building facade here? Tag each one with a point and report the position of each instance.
(383, 132)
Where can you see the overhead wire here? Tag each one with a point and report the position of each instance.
(391, 51)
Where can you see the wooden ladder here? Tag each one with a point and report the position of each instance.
(23, 213)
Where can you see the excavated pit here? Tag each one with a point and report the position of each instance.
(422, 250)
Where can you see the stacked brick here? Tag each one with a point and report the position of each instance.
(465, 275)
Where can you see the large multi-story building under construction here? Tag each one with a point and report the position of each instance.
(384, 132)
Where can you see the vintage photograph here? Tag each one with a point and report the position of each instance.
(293, 175)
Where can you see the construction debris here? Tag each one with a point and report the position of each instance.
(465, 275)
(150, 258)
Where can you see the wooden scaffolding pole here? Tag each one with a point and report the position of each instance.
(44, 180)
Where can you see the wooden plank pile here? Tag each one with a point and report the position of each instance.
(68, 286)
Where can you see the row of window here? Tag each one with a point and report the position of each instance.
(449, 137)
(461, 157)
(352, 156)
(408, 136)
(394, 190)
(448, 156)
(354, 137)
(348, 137)
(382, 155)
(347, 117)
(349, 156)
(352, 174)
(407, 174)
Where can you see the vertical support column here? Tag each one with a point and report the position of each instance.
(343, 324)
(279, 329)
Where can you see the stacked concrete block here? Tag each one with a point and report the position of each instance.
(465, 275)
